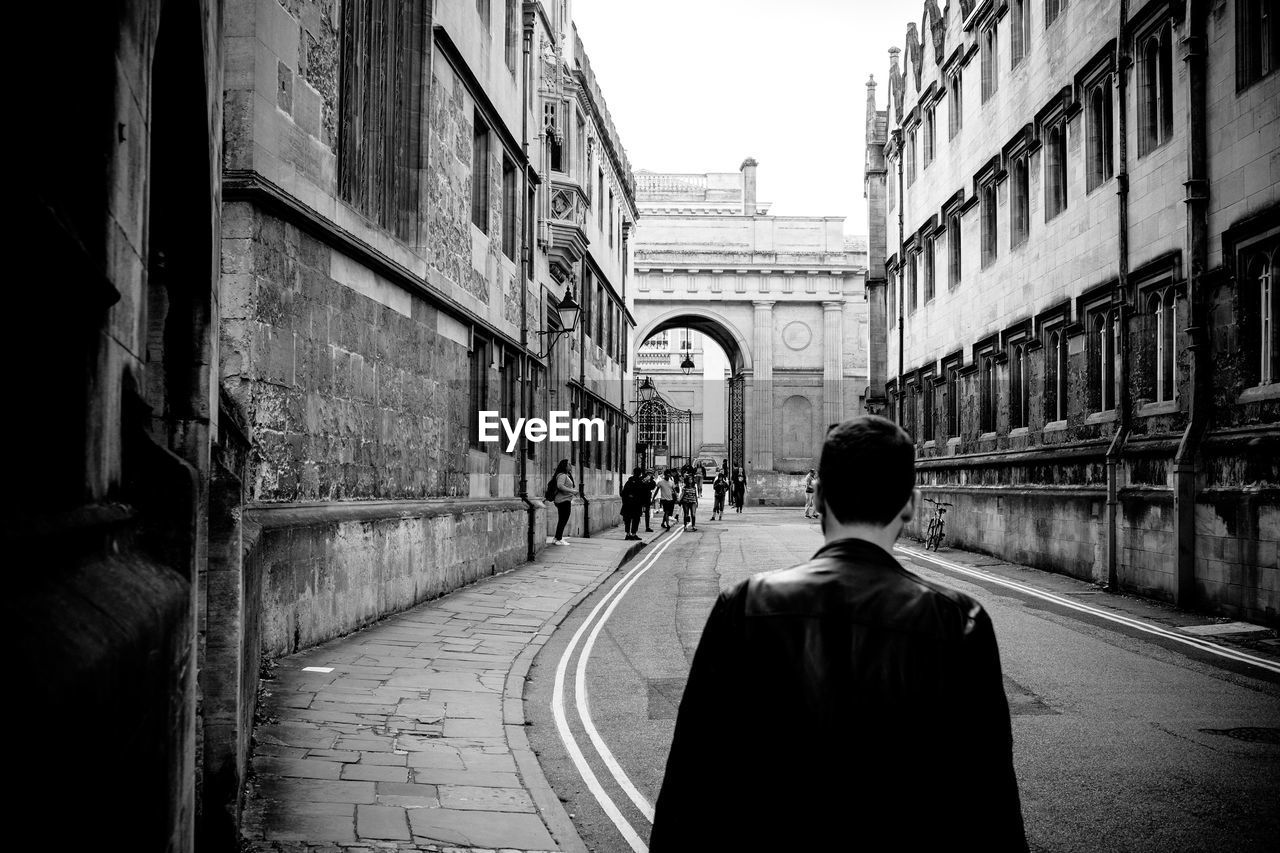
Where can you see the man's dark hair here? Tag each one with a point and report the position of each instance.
(867, 470)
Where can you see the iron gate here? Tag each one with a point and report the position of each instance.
(735, 422)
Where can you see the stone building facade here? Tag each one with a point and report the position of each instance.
(306, 242)
(1077, 211)
(782, 296)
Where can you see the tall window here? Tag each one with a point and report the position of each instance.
(480, 174)
(588, 291)
(913, 258)
(478, 387)
(1099, 143)
(379, 138)
(1260, 306)
(1161, 308)
(1019, 207)
(927, 272)
(553, 126)
(953, 401)
(510, 208)
(929, 137)
(610, 219)
(926, 415)
(988, 202)
(1052, 9)
(1257, 41)
(987, 393)
(911, 157)
(1019, 30)
(955, 108)
(600, 207)
(909, 413)
(1018, 388)
(892, 181)
(511, 34)
(1104, 378)
(1155, 91)
(953, 250)
(990, 64)
(1055, 171)
(1055, 377)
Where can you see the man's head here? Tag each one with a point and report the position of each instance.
(636, 472)
(866, 475)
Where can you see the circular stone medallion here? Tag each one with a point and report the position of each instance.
(796, 335)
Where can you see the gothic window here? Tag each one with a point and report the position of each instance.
(955, 109)
(1019, 30)
(1055, 376)
(912, 261)
(953, 250)
(553, 126)
(480, 174)
(1052, 9)
(1055, 170)
(987, 392)
(1104, 328)
(909, 413)
(929, 137)
(1155, 90)
(478, 387)
(927, 272)
(1018, 387)
(1099, 142)
(953, 401)
(378, 134)
(1257, 41)
(988, 202)
(600, 208)
(893, 299)
(990, 63)
(911, 157)
(892, 181)
(510, 208)
(1019, 208)
(1161, 320)
(1260, 306)
(926, 419)
(511, 35)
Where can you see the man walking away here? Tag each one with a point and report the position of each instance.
(808, 494)
(666, 495)
(739, 487)
(647, 480)
(867, 701)
(633, 494)
(720, 486)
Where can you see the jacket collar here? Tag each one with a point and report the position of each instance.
(859, 550)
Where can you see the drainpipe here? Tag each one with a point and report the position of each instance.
(582, 380)
(1121, 300)
(902, 281)
(526, 262)
(1196, 200)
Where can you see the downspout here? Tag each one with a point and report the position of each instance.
(582, 381)
(1121, 301)
(902, 292)
(526, 262)
(1197, 198)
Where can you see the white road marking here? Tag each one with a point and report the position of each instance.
(562, 723)
(1127, 621)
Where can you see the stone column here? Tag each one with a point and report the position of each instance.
(760, 416)
(832, 362)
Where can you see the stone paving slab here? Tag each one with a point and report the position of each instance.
(415, 741)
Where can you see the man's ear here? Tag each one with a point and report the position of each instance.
(909, 508)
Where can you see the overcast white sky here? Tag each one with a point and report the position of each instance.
(699, 85)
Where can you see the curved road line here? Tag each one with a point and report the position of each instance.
(1127, 621)
(562, 723)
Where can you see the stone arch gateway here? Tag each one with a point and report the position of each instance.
(783, 297)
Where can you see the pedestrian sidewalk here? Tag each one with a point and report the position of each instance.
(409, 735)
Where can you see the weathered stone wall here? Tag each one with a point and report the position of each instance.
(327, 571)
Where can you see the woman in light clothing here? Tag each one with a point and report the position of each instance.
(566, 489)
(809, 510)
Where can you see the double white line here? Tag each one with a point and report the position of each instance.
(596, 625)
(1127, 621)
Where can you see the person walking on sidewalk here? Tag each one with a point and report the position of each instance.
(739, 486)
(808, 494)
(565, 490)
(719, 487)
(665, 490)
(887, 716)
(689, 501)
(633, 494)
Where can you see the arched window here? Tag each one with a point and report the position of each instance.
(1155, 91)
(988, 394)
(1104, 372)
(1018, 387)
(953, 401)
(1163, 308)
(1259, 300)
(1100, 143)
(1055, 171)
(1020, 191)
(1055, 377)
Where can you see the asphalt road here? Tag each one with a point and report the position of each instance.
(1123, 741)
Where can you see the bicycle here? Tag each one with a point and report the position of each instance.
(937, 524)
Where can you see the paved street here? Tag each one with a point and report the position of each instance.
(1131, 732)
(409, 735)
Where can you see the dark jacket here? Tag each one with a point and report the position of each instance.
(844, 704)
(633, 497)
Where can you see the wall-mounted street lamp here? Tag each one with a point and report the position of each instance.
(567, 309)
(646, 391)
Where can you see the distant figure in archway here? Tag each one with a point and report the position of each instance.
(739, 487)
